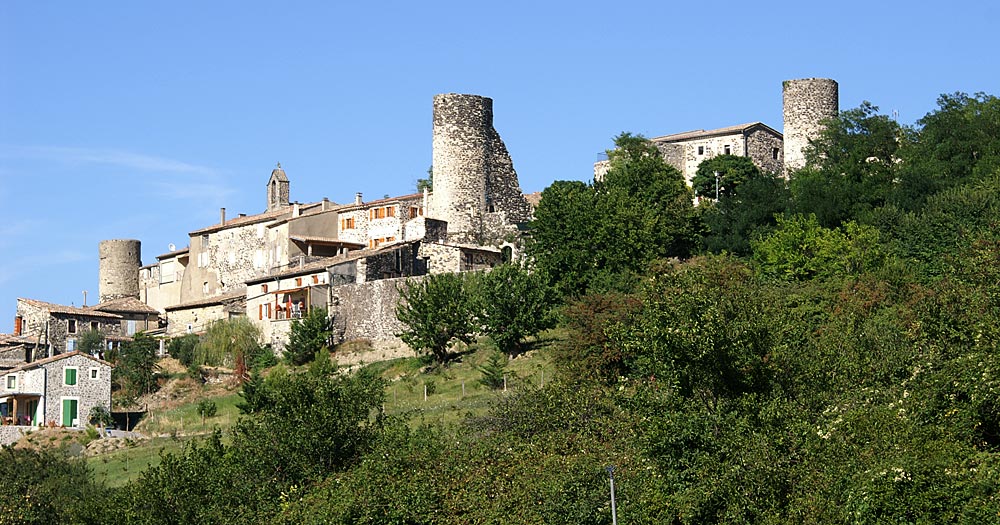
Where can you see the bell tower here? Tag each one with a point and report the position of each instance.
(277, 189)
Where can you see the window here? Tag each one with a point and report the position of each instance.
(701, 150)
(130, 327)
(11, 382)
(347, 224)
(774, 153)
(315, 279)
(94, 325)
(390, 211)
(263, 288)
(727, 150)
(94, 374)
(298, 281)
(70, 345)
(71, 326)
(204, 287)
(69, 375)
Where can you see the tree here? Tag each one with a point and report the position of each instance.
(91, 342)
(494, 371)
(435, 312)
(428, 183)
(802, 249)
(850, 167)
(230, 343)
(309, 335)
(512, 304)
(747, 205)
(733, 172)
(206, 409)
(135, 371)
(600, 238)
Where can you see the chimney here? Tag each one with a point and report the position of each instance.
(326, 204)
(357, 198)
(295, 210)
(243, 215)
(222, 216)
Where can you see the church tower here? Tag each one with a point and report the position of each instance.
(277, 189)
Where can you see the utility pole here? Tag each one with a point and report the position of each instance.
(611, 478)
(716, 186)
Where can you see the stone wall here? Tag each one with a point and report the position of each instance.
(198, 318)
(806, 103)
(367, 310)
(118, 269)
(10, 434)
(765, 149)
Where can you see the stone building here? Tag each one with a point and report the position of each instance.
(806, 103)
(57, 327)
(59, 390)
(135, 315)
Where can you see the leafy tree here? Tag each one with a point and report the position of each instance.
(182, 348)
(512, 304)
(802, 249)
(746, 209)
(135, 371)
(587, 352)
(309, 335)
(42, 487)
(562, 235)
(91, 343)
(601, 237)
(100, 416)
(435, 312)
(206, 409)
(850, 167)
(733, 171)
(254, 394)
(230, 343)
(428, 183)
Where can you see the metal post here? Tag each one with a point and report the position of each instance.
(716, 185)
(614, 511)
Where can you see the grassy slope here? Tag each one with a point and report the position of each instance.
(445, 403)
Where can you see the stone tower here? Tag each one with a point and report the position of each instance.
(807, 102)
(475, 186)
(277, 189)
(118, 270)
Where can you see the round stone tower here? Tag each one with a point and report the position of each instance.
(463, 134)
(807, 102)
(118, 271)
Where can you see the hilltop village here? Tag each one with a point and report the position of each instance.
(275, 266)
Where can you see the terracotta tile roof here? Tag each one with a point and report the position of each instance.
(47, 360)
(125, 305)
(68, 310)
(253, 219)
(208, 301)
(701, 133)
(174, 253)
(352, 206)
(11, 339)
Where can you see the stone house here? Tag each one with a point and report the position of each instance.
(273, 302)
(135, 315)
(685, 151)
(56, 328)
(160, 282)
(59, 390)
(194, 317)
(15, 350)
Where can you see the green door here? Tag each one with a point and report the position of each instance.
(33, 412)
(69, 412)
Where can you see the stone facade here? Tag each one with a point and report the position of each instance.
(367, 311)
(685, 151)
(118, 269)
(160, 283)
(274, 302)
(806, 103)
(60, 390)
(58, 327)
(277, 189)
(473, 173)
(196, 316)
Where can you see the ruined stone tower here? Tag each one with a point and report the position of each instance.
(118, 270)
(807, 102)
(475, 186)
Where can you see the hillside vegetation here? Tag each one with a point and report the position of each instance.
(833, 360)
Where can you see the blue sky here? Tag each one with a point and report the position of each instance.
(141, 119)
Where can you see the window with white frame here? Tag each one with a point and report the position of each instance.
(11, 382)
(95, 373)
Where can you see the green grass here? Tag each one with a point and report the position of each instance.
(121, 466)
(184, 420)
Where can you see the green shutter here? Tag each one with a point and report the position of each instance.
(69, 412)
(70, 376)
